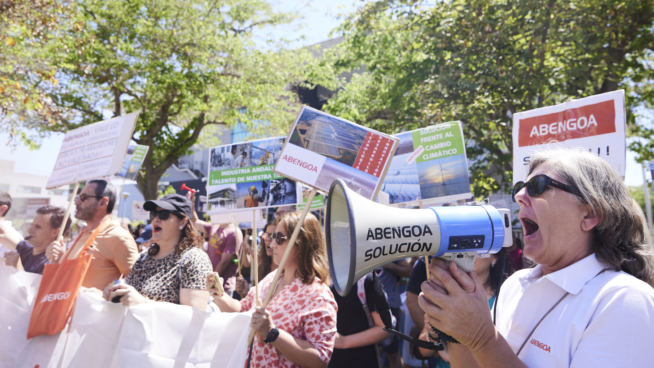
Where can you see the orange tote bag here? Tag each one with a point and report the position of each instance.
(59, 289)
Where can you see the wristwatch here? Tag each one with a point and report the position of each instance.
(273, 334)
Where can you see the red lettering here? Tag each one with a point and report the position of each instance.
(540, 345)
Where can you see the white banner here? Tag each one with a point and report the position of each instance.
(138, 213)
(93, 151)
(595, 123)
(104, 334)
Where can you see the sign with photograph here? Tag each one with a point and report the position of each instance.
(322, 148)
(241, 177)
(93, 151)
(133, 161)
(319, 200)
(138, 213)
(595, 123)
(429, 165)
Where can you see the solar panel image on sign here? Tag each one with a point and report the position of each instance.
(328, 136)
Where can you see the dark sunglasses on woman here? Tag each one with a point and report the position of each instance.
(163, 215)
(537, 184)
(279, 238)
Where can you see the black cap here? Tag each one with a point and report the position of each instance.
(171, 202)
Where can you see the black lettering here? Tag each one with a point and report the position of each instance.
(406, 231)
(397, 231)
(399, 249)
(374, 252)
(368, 255)
(426, 247)
(387, 232)
(413, 246)
(427, 230)
(390, 249)
(384, 251)
(378, 233)
(413, 230)
(370, 235)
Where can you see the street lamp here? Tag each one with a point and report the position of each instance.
(124, 195)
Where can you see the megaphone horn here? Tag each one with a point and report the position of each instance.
(363, 235)
(184, 187)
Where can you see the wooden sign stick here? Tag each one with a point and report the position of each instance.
(426, 256)
(60, 236)
(291, 242)
(255, 265)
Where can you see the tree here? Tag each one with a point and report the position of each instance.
(480, 62)
(639, 196)
(184, 65)
(28, 28)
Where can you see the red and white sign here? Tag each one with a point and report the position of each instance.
(595, 123)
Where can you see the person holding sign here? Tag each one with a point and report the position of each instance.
(42, 233)
(298, 328)
(114, 250)
(589, 300)
(175, 267)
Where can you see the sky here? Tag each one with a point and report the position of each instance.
(320, 17)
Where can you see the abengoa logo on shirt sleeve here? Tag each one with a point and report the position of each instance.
(55, 296)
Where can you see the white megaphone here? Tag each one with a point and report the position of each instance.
(363, 235)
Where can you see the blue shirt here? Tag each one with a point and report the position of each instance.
(31, 262)
(389, 281)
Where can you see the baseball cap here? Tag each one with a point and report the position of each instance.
(171, 202)
(146, 234)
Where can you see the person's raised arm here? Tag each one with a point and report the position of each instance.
(199, 224)
(9, 237)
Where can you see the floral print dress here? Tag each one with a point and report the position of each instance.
(307, 312)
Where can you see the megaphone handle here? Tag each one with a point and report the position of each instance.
(420, 343)
(291, 242)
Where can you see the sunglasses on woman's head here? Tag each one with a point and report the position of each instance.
(537, 185)
(279, 237)
(163, 215)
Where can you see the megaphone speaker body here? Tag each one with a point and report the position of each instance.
(363, 235)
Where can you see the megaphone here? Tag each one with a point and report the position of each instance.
(363, 235)
(184, 187)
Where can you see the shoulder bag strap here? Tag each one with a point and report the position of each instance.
(548, 312)
(89, 241)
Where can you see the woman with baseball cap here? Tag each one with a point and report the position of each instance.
(175, 267)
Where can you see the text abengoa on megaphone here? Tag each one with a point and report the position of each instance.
(363, 235)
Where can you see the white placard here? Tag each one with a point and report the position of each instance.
(138, 213)
(93, 151)
(595, 123)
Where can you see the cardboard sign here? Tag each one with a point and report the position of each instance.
(93, 151)
(430, 165)
(133, 161)
(321, 148)
(241, 177)
(595, 123)
(138, 213)
(319, 200)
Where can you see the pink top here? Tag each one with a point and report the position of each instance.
(307, 312)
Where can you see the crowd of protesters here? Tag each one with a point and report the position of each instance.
(178, 258)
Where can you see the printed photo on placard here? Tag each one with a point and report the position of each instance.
(430, 164)
(323, 147)
(241, 177)
(133, 161)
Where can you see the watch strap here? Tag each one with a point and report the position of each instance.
(273, 334)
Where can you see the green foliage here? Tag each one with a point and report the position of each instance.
(638, 194)
(28, 28)
(169, 190)
(482, 61)
(184, 65)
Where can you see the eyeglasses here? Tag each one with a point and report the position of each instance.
(537, 184)
(279, 238)
(84, 197)
(163, 214)
(266, 236)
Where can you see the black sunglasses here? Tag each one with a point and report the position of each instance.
(84, 197)
(163, 214)
(537, 184)
(279, 238)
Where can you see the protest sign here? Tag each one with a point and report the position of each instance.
(430, 165)
(318, 201)
(138, 213)
(595, 123)
(133, 161)
(241, 177)
(238, 217)
(93, 151)
(104, 334)
(321, 148)
(33, 204)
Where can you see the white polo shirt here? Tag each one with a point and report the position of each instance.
(605, 321)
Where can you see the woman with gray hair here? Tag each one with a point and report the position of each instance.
(589, 301)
